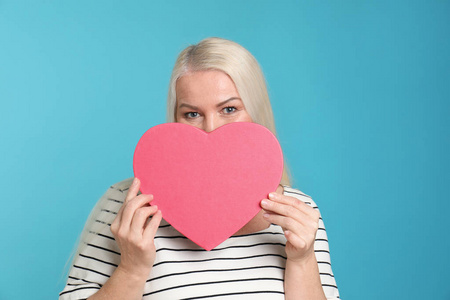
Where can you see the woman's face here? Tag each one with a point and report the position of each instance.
(208, 100)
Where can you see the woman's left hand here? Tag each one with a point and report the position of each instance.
(299, 222)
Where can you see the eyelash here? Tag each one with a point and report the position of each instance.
(188, 114)
(234, 109)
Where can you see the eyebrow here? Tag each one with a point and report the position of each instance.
(218, 105)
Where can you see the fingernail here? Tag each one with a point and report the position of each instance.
(264, 203)
(273, 196)
(266, 216)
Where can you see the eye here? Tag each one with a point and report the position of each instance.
(191, 115)
(229, 109)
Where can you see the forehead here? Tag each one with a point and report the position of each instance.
(205, 84)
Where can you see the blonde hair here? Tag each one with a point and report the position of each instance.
(242, 67)
(210, 54)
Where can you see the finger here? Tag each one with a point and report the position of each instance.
(119, 214)
(131, 207)
(152, 226)
(134, 189)
(287, 216)
(292, 207)
(295, 232)
(117, 220)
(283, 209)
(131, 194)
(288, 200)
(140, 218)
(286, 223)
(306, 229)
(308, 218)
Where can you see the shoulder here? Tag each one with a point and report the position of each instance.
(123, 185)
(290, 191)
(119, 190)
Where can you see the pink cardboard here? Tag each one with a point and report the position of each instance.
(208, 185)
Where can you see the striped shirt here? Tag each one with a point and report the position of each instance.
(248, 266)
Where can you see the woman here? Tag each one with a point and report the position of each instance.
(281, 253)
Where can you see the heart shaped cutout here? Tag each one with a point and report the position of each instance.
(208, 185)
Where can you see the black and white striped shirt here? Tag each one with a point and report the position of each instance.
(242, 267)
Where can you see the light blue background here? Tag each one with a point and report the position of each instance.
(360, 90)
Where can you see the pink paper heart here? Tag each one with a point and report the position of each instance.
(208, 185)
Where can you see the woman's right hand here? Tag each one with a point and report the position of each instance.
(134, 232)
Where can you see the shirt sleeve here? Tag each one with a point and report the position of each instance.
(97, 255)
(321, 248)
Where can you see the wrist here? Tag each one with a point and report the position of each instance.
(304, 261)
(302, 279)
(132, 274)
